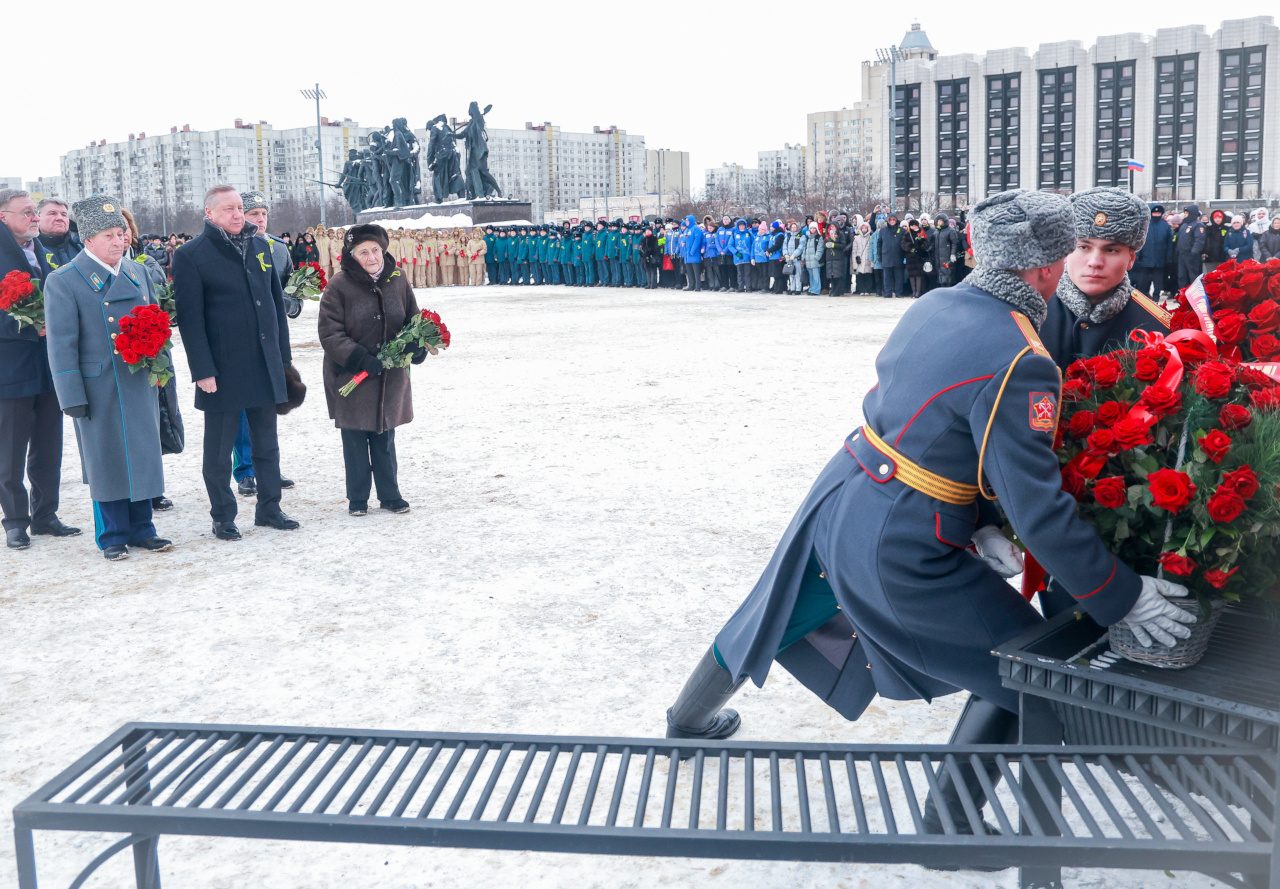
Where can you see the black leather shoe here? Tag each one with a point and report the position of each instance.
(396, 506)
(247, 486)
(226, 531)
(116, 553)
(55, 528)
(161, 504)
(16, 538)
(279, 521)
(286, 482)
(358, 507)
(154, 544)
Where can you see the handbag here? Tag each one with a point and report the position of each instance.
(928, 267)
(667, 265)
(788, 268)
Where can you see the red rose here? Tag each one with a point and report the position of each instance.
(1111, 492)
(1251, 281)
(1253, 379)
(1243, 481)
(1150, 363)
(1231, 327)
(1112, 412)
(1214, 379)
(129, 356)
(1184, 319)
(1234, 416)
(1076, 390)
(1162, 400)
(1225, 505)
(1215, 445)
(1078, 369)
(1265, 316)
(1132, 433)
(1073, 482)
(1176, 564)
(1171, 489)
(1105, 371)
(1102, 442)
(1217, 578)
(1082, 423)
(1266, 399)
(1266, 347)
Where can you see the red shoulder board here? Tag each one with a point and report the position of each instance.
(1152, 308)
(1029, 331)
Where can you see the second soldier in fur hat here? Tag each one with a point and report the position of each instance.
(1096, 308)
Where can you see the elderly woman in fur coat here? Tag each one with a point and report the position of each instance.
(368, 302)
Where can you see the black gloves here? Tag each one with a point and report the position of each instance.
(77, 412)
(361, 360)
(371, 365)
(419, 354)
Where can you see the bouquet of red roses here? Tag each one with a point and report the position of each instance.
(424, 330)
(1238, 304)
(1173, 452)
(21, 297)
(307, 281)
(142, 341)
(164, 298)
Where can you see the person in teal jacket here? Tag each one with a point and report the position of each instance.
(583, 264)
(555, 254)
(637, 261)
(490, 255)
(504, 256)
(599, 250)
(624, 255)
(538, 255)
(521, 247)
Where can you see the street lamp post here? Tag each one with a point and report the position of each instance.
(318, 94)
(891, 57)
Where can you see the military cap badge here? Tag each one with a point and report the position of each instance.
(1100, 220)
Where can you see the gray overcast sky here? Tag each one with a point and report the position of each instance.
(737, 76)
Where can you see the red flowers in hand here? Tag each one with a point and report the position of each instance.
(1175, 564)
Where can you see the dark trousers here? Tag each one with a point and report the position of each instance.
(491, 269)
(773, 269)
(538, 271)
(1189, 268)
(504, 272)
(677, 269)
(602, 273)
(651, 276)
(692, 275)
(1143, 279)
(744, 276)
(370, 458)
(242, 453)
(588, 272)
(570, 272)
(118, 522)
(895, 280)
(30, 439)
(220, 428)
(520, 273)
(615, 272)
(554, 269)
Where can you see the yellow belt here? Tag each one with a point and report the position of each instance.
(921, 479)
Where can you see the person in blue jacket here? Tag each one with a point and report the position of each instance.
(741, 248)
(760, 258)
(1238, 243)
(711, 254)
(1147, 274)
(691, 250)
(873, 589)
(672, 248)
(725, 265)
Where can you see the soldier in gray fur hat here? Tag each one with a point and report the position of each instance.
(1096, 308)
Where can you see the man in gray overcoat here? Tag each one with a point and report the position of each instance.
(116, 412)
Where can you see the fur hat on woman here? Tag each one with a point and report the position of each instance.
(358, 234)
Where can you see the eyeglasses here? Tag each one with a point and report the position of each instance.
(30, 214)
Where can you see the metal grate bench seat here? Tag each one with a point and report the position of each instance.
(1208, 810)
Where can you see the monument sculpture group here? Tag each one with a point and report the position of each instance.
(388, 172)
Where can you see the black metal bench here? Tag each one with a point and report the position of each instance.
(1207, 810)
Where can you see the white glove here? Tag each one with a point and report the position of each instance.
(1152, 615)
(997, 551)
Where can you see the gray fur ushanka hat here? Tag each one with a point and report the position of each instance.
(1021, 230)
(1111, 214)
(97, 213)
(254, 200)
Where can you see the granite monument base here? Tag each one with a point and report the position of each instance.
(482, 212)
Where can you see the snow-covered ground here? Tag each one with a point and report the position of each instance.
(597, 478)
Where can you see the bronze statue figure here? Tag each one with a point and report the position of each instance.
(480, 182)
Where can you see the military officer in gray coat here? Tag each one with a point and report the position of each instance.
(872, 589)
(116, 412)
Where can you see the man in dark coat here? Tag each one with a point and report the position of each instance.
(232, 317)
(30, 420)
(946, 251)
(1190, 246)
(61, 245)
(891, 258)
(872, 589)
(1147, 274)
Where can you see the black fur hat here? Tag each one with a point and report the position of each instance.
(358, 234)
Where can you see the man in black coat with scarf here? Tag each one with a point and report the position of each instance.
(30, 419)
(231, 314)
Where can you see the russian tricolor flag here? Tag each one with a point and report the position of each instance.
(1136, 165)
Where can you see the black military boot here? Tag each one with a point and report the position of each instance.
(696, 713)
(981, 722)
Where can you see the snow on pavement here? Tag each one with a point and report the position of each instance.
(597, 479)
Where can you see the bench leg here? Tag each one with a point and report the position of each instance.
(146, 863)
(25, 852)
(1039, 725)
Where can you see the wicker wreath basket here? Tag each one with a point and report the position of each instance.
(1185, 654)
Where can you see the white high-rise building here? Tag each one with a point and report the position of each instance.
(176, 168)
(553, 169)
(783, 167)
(731, 182)
(45, 187)
(667, 173)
